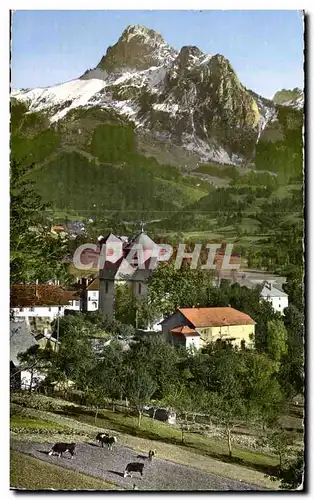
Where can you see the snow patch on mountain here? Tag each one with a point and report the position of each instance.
(155, 77)
(206, 59)
(128, 108)
(208, 152)
(266, 115)
(89, 91)
(76, 92)
(267, 112)
(167, 108)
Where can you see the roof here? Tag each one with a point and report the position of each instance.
(185, 330)
(244, 282)
(40, 295)
(94, 285)
(109, 238)
(272, 292)
(144, 240)
(21, 340)
(216, 316)
(125, 271)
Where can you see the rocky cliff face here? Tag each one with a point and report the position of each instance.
(293, 98)
(138, 48)
(187, 98)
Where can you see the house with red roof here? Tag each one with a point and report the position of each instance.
(40, 304)
(195, 327)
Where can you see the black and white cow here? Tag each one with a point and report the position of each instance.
(151, 454)
(133, 467)
(106, 439)
(60, 448)
(101, 435)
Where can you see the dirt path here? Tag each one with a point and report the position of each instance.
(158, 475)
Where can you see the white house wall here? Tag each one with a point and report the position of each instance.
(44, 311)
(192, 342)
(39, 312)
(26, 379)
(278, 303)
(92, 300)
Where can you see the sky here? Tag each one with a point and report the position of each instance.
(265, 47)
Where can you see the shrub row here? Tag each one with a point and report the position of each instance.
(67, 432)
(36, 402)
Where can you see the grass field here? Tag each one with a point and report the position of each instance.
(192, 193)
(84, 430)
(208, 452)
(32, 474)
(162, 432)
(33, 423)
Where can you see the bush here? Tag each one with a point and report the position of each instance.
(37, 402)
(34, 430)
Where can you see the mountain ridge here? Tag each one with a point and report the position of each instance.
(121, 143)
(189, 98)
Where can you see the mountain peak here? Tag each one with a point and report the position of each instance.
(137, 48)
(137, 30)
(188, 98)
(287, 97)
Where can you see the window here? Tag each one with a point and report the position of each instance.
(49, 309)
(59, 308)
(32, 309)
(94, 304)
(21, 309)
(139, 288)
(106, 287)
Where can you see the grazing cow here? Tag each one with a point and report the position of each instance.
(151, 454)
(133, 467)
(101, 435)
(108, 440)
(60, 448)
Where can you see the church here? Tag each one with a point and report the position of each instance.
(134, 267)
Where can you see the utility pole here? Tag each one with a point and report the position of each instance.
(58, 327)
(136, 317)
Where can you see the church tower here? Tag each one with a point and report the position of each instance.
(126, 269)
(107, 276)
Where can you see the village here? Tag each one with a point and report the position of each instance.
(35, 308)
(52, 329)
